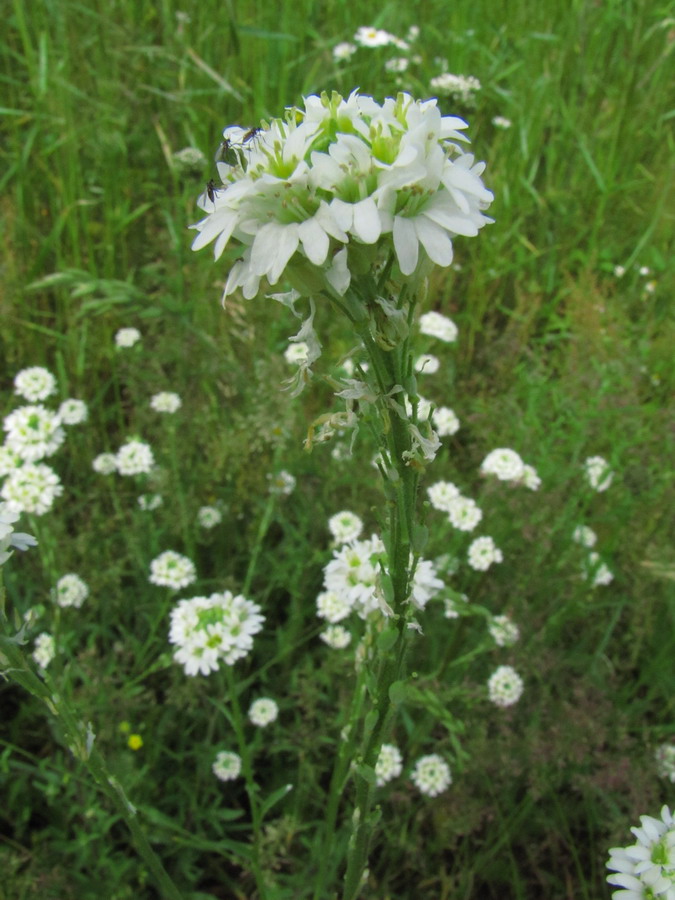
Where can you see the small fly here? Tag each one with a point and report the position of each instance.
(211, 190)
(250, 134)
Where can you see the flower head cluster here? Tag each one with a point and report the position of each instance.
(32, 488)
(483, 552)
(389, 764)
(437, 325)
(351, 582)
(585, 536)
(297, 352)
(504, 632)
(431, 775)
(166, 402)
(9, 537)
(336, 636)
(227, 765)
(340, 185)
(646, 869)
(209, 516)
(33, 432)
(505, 686)
(445, 421)
(598, 473)
(462, 87)
(172, 570)
(45, 650)
(263, 712)
(504, 464)
(665, 761)
(283, 483)
(596, 571)
(134, 458)
(127, 337)
(73, 412)
(70, 590)
(105, 463)
(150, 502)
(211, 630)
(345, 526)
(34, 384)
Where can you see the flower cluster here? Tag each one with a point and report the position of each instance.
(351, 582)
(345, 526)
(211, 630)
(646, 869)
(506, 465)
(127, 337)
(282, 484)
(134, 458)
(504, 632)
(166, 402)
(431, 775)
(389, 764)
(227, 765)
(263, 712)
(505, 686)
(336, 636)
(34, 383)
(209, 516)
(172, 570)
(338, 186)
(462, 87)
(434, 324)
(598, 473)
(70, 590)
(483, 552)
(596, 571)
(45, 650)
(33, 432)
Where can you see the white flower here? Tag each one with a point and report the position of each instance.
(296, 352)
(464, 513)
(9, 537)
(427, 364)
(665, 761)
(426, 584)
(452, 605)
(105, 463)
(34, 383)
(483, 553)
(441, 494)
(189, 160)
(148, 502)
(434, 324)
(501, 122)
(172, 570)
(345, 526)
(227, 766)
(33, 432)
(619, 271)
(336, 636)
(73, 412)
(209, 516)
(127, 337)
(9, 460)
(211, 630)
(504, 632)
(646, 869)
(343, 50)
(70, 590)
(166, 402)
(585, 536)
(32, 488)
(598, 473)
(134, 458)
(595, 571)
(530, 478)
(505, 464)
(397, 64)
(445, 421)
(45, 650)
(389, 764)
(352, 574)
(505, 686)
(462, 87)
(431, 775)
(644, 271)
(372, 37)
(282, 483)
(263, 712)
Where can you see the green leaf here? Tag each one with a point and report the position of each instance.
(387, 638)
(399, 692)
(366, 772)
(274, 798)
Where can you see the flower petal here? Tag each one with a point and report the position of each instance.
(405, 244)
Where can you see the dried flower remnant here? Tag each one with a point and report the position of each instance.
(34, 384)
(646, 869)
(227, 765)
(431, 775)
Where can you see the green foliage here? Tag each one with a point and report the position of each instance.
(557, 357)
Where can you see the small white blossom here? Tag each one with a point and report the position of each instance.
(431, 775)
(427, 364)
(343, 50)
(166, 402)
(32, 488)
(70, 590)
(209, 516)
(333, 607)
(105, 463)
(227, 766)
(34, 384)
(282, 483)
(504, 632)
(505, 464)
(33, 432)
(263, 712)
(619, 271)
(345, 526)
(505, 686)
(501, 122)
(172, 570)
(149, 502)
(389, 764)
(598, 473)
(644, 271)
(45, 650)
(297, 352)
(452, 606)
(530, 478)
(127, 337)
(596, 571)
(464, 513)
(9, 460)
(434, 324)
(585, 536)
(73, 412)
(483, 553)
(462, 87)
(134, 458)
(665, 761)
(646, 869)
(336, 636)
(441, 494)
(372, 37)
(445, 421)
(398, 64)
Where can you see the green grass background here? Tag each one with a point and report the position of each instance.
(557, 358)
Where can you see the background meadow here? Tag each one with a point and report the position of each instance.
(560, 356)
